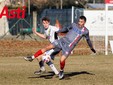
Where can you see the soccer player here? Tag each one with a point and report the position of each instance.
(75, 32)
(49, 33)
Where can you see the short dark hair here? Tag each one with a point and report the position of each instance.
(45, 19)
(83, 17)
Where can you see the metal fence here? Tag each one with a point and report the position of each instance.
(64, 16)
(17, 25)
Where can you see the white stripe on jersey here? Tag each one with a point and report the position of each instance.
(50, 32)
(76, 38)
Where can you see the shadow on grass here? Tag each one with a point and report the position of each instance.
(68, 75)
(47, 75)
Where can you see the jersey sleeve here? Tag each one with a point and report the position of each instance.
(88, 40)
(65, 29)
(89, 43)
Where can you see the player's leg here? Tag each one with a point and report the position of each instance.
(41, 64)
(62, 65)
(65, 53)
(47, 60)
(39, 52)
(50, 55)
(54, 53)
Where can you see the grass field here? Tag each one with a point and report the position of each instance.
(79, 70)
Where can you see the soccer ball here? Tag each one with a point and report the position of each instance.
(46, 58)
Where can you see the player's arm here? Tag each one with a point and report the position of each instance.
(65, 29)
(89, 42)
(55, 29)
(39, 34)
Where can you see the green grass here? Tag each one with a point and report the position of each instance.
(79, 70)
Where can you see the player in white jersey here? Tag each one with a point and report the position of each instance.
(49, 33)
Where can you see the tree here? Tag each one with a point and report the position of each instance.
(57, 3)
(43, 4)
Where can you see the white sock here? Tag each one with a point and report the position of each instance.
(54, 69)
(33, 57)
(42, 68)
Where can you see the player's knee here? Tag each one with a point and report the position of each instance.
(63, 58)
(49, 63)
(46, 58)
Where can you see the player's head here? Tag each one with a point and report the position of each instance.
(82, 21)
(46, 22)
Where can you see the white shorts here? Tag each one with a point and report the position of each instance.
(49, 52)
(52, 52)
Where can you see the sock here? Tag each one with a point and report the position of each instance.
(33, 57)
(42, 68)
(41, 64)
(38, 53)
(62, 64)
(53, 68)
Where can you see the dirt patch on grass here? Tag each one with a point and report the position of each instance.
(10, 48)
(19, 47)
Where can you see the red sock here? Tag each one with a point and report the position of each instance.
(38, 53)
(62, 64)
